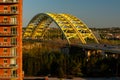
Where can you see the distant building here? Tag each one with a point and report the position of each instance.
(11, 40)
(107, 33)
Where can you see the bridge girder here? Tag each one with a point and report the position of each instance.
(71, 27)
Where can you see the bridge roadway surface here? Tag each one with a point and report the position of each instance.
(103, 47)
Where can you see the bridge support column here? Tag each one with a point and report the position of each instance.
(88, 53)
(93, 52)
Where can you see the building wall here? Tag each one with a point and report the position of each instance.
(11, 39)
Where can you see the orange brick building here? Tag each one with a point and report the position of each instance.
(11, 40)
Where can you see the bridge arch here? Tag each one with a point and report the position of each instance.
(72, 28)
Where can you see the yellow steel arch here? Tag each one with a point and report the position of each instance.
(73, 29)
(36, 20)
(81, 28)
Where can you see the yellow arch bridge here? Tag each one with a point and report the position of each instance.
(49, 26)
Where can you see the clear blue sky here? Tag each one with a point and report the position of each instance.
(95, 13)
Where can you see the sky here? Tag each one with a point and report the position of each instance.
(94, 13)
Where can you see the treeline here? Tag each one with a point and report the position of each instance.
(43, 61)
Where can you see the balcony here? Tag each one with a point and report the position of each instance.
(9, 2)
(7, 23)
(8, 76)
(7, 45)
(8, 13)
(8, 66)
(7, 35)
(8, 55)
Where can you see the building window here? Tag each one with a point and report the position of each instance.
(5, 71)
(5, 50)
(13, 30)
(5, 19)
(13, 19)
(5, 61)
(14, 41)
(5, 39)
(4, 0)
(14, 51)
(14, 73)
(13, 61)
(5, 8)
(14, 9)
(15, 0)
(5, 29)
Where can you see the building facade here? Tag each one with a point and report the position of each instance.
(11, 40)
